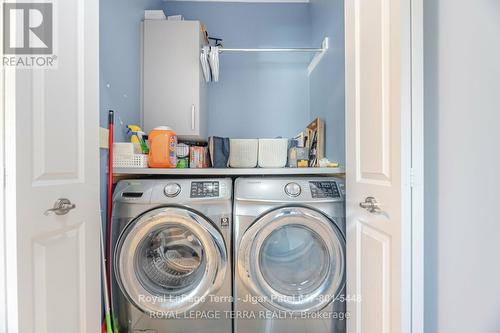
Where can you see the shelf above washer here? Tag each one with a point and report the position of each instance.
(121, 172)
(249, 1)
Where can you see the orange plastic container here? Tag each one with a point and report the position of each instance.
(162, 148)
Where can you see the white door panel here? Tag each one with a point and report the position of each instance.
(56, 147)
(375, 82)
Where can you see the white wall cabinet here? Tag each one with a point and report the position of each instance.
(173, 87)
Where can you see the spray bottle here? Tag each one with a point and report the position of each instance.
(137, 136)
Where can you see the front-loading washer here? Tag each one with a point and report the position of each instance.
(289, 255)
(171, 260)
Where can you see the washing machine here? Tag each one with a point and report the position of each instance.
(289, 255)
(171, 257)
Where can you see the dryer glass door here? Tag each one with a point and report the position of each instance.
(168, 259)
(294, 258)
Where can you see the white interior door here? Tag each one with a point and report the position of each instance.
(53, 274)
(377, 102)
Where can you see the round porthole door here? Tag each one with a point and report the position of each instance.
(294, 259)
(169, 259)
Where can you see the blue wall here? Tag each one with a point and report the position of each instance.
(327, 81)
(120, 67)
(120, 59)
(267, 95)
(258, 95)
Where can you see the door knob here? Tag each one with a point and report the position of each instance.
(370, 204)
(61, 207)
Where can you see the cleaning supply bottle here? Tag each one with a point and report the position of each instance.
(132, 131)
(142, 142)
(137, 138)
(162, 148)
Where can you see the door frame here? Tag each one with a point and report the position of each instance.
(417, 166)
(8, 229)
(412, 167)
(3, 271)
(412, 171)
(8, 257)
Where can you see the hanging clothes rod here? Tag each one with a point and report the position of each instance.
(322, 49)
(210, 58)
(221, 50)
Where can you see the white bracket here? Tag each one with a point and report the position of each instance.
(317, 58)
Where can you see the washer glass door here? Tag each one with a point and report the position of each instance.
(295, 258)
(169, 259)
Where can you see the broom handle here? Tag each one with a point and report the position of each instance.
(110, 195)
(109, 208)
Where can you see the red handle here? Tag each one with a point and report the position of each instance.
(110, 198)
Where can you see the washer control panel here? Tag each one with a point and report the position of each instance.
(206, 189)
(324, 189)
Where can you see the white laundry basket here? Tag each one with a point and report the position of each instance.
(243, 153)
(273, 153)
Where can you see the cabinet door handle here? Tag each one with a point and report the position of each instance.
(193, 120)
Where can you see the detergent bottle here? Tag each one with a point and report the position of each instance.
(162, 148)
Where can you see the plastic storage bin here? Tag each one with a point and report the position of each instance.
(273, 153)
(134, 161)
(125, 157)
(243, 153)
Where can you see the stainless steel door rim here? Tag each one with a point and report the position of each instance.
(129, 245)
(320, 227)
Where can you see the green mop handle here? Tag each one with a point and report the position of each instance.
(108, 323)
(107, 314)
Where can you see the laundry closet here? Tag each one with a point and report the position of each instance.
(235, 72)
(223, 81)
